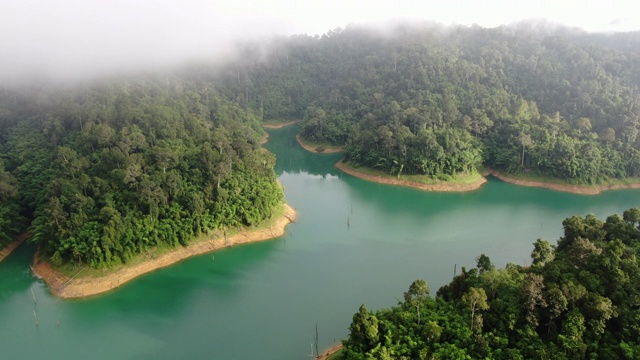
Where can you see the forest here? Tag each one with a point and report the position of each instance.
(577, 300)
(440, 101)
(102, 172)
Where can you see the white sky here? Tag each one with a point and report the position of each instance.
(79, 37)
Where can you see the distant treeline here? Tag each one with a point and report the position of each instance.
(578, 300)
(441, 101)
(107, 170)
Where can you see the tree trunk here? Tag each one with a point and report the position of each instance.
(473, 310)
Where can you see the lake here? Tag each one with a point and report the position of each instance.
(354, 242)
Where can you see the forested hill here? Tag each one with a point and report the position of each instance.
(577, 300)
(426, 99)
(104, 171)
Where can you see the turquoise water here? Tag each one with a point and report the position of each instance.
(354, 242)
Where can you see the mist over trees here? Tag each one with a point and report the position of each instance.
(99, 171)
(442, 101)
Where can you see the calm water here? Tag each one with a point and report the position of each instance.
(263, 300)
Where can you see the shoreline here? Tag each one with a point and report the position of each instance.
(264, 139)
(281, 125)
(574, 189)
(412, 184)
(7, 250)
(72, 288)
(568, 188)
(330, 351)
(330, 150)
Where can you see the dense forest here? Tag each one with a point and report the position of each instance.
(101, 170)
(579, 299)
(106, 170)
(441, 101)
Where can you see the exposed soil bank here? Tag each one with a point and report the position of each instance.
(575, 189)
(67, 288)
(7, 250)
(444, 187)
(332, 350)
(281, 125)
(329, 150)
(264, 139)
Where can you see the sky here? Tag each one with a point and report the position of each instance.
(78, 38)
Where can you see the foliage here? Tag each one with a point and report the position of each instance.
(109, 169)
(429, 100)
(579, 300)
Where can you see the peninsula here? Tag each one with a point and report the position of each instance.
(79, 286)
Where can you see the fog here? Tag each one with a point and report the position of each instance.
(73, 39)
(78, 39)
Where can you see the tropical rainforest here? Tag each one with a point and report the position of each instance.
(442, 101)
(106, 171)
(579, 299)
(102, 170)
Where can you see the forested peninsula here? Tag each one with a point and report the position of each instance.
(104, 173)
(577, 300)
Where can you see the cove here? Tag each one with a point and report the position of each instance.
(354, 242)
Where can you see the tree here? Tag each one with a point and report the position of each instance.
(632, 216)
(557, 305)
(542, 252)
(484, 263)
(476, 299)
(363, 331)
(525, 141)
(416, 295)
(532, 297)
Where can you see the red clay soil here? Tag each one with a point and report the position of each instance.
(575, 189)
(13, 245)
(323, 150)
(66, 288)
(416, 185)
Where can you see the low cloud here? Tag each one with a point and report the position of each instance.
(76, 39)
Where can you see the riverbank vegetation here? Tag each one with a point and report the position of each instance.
(577, 300)
(459, 182)
(107, 170)
(70, 282)
(523, 179)
(11, 221)
(425, 99)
